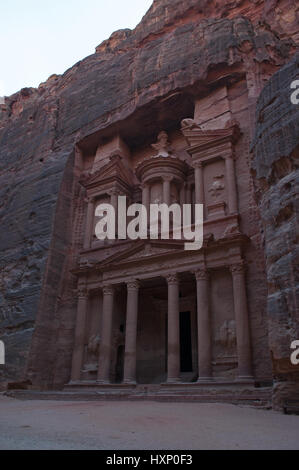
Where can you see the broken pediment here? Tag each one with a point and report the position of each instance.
(199, 139)
(113, 171)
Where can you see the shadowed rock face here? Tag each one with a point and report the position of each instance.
(275, 165)
(175, 47)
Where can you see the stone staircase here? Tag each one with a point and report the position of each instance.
(230, 393)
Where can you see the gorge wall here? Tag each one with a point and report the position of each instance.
(275, 168)
(191, 45)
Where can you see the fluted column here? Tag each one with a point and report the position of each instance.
(78, 352)
(242, 321)
(173, 329)
(89, 223)
(231, 183)
(131, 332)
(204, 326)
(166, 190)
(106, 335)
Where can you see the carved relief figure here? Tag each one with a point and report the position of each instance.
(93, 352)
(227, 335)
(162, 145)
(217, 187)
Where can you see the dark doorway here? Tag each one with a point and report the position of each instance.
(185, 342)
(119, 372)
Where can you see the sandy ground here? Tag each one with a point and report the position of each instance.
(142, 426)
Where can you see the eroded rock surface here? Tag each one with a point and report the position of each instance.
(275, 164)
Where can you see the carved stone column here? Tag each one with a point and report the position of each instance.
(173, 329)
(199, 183)
(131, 332)
(89, 223)
(188, 193)
(204, 326)
(231, 184)
(106, 335)
(146, 196)
(166, 190)
(114, 201)
(78, 352)
(182, 195)
(242, 321)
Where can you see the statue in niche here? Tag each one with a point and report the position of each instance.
(93, 345)
(227, 335)
(162, 145)
(217, 187)
(93, 353)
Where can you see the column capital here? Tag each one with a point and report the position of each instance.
(90, 199)
(238, 268)
(167, 178)
(113, 192)
(108, 289)
(230, 156)
(82, 292)
(198, 164)
(202, 274)
(172, 278)
(133, 285)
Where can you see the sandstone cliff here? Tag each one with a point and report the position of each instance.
(275, 166)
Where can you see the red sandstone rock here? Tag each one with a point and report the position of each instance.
(194, 59)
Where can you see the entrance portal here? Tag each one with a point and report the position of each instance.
(185, 342)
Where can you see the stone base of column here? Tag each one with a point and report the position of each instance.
(204, 380)
(245, 378)
(173, 381)
(103, 382)
(129, 382)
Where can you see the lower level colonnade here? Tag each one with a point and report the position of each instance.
(204, 329)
